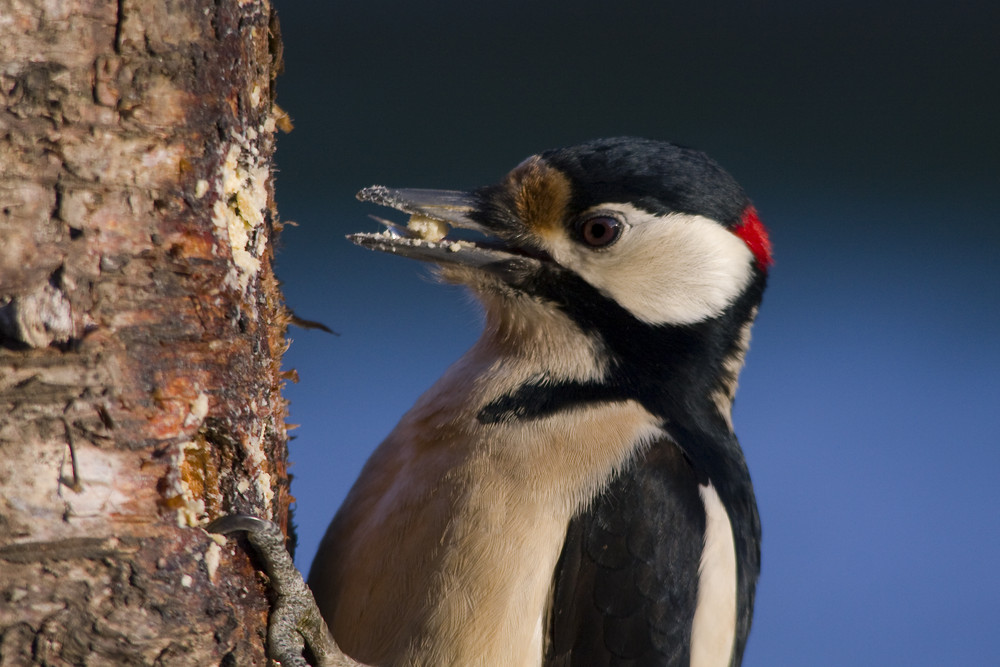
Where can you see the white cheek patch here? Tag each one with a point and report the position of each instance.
(674, 269)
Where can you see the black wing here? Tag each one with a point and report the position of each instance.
(626, 585)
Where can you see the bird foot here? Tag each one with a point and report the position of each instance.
(295, 621)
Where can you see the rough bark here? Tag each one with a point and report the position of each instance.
(141, 329)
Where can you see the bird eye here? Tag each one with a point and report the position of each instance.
(599, 231)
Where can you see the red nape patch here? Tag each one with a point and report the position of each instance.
(753, 233)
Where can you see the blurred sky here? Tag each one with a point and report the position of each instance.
(867, 135)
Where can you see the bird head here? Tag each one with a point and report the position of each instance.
(659, 229)
(646, 246)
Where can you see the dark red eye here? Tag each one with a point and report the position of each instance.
(599, 231)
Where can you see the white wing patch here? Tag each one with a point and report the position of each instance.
(674, 269)
(714, 628)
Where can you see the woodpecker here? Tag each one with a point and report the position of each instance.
(571, 491)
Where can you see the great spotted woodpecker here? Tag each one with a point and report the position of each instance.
(571, 491)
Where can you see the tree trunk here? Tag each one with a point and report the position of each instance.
(141, 329)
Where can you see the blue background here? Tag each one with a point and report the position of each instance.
(867, 134)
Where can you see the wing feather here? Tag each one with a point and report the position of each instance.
(625, 587)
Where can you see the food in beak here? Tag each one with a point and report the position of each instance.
(427, 228)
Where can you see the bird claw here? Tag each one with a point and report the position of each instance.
(295, 621)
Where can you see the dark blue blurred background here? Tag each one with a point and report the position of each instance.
(867, 134)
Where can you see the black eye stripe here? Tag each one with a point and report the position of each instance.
(599, 231)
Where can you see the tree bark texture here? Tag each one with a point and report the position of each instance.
(141, 329)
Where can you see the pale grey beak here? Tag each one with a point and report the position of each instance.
(451, 207)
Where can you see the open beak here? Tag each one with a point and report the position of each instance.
(446, 208)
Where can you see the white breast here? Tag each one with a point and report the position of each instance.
(444, 551)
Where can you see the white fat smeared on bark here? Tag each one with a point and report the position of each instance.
(673, 269)
(713, 630)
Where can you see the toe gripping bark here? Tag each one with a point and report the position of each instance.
(295, 621)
